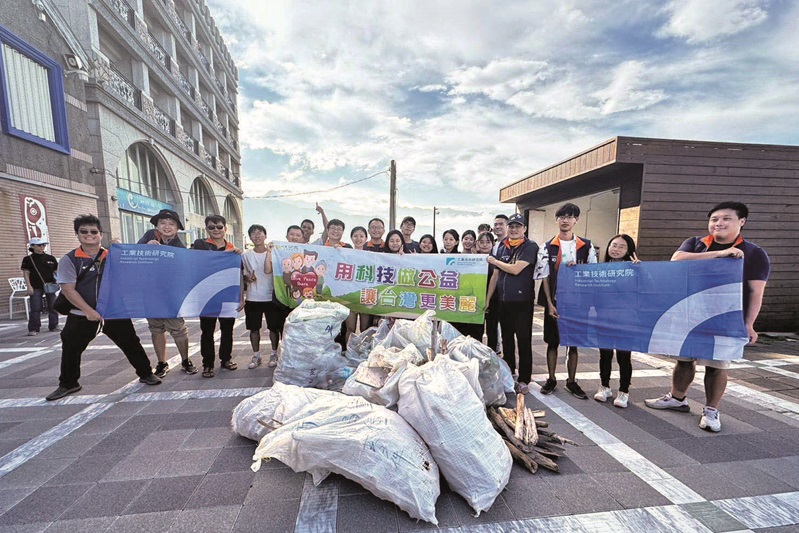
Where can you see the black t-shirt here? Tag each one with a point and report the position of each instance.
(411, 247)
(46, 265)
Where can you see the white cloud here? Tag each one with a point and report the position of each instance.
(699, 21)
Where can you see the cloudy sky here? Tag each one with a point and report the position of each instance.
(469, 96)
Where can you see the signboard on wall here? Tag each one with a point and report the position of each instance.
(138, 203)
(34, 217)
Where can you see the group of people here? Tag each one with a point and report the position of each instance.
(514, 264)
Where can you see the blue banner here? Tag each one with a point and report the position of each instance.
(680, 308)
(151, 281)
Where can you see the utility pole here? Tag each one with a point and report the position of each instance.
(392, 203)
(435, 212)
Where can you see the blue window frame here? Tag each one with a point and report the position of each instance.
(40, 94)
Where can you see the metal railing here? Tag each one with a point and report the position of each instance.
(163, 121)
(124, 10)
(158, 51)
(122, 87)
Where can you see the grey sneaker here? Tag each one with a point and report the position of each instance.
(273, 360)
(256, 362)
(603, 394)
(152, 379)
(621, 400)
(711, 420)
(667, 401)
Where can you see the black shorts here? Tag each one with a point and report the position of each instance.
(551, 332)
(255, 311)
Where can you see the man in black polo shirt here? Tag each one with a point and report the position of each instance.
(79, 273)
(725, 222)
(517, 267)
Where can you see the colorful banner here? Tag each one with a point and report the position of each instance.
(454, 286)
(151, 281)
(680, 308)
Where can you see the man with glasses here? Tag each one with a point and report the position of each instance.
(79, 273)
(376, 230)
(216, 225)
(569, 249)
(167, 223)
(335, 231)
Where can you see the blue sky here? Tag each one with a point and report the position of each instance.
(469, 96)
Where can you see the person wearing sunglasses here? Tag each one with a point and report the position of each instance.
(79, 273)
(216, 226)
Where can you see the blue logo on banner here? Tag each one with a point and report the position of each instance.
(148, 281)
(686, 308)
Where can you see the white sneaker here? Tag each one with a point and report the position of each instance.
(273, 360)
(603, 394)
(256, 362)
(711, 419)
(621, 399)
(667, 401)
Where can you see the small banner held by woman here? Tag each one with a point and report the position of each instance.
(454, 286)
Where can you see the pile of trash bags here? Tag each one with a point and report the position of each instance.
(412, 405)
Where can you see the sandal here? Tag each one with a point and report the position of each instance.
(208, 372)
(230, 365)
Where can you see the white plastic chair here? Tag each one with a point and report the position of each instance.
(19, 291)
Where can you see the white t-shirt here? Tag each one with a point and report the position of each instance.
(568, 252)
(261, 290)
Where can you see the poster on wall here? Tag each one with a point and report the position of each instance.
(34, 217)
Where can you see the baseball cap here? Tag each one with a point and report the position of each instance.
(37, 240)
(518, 218)
(166, 213)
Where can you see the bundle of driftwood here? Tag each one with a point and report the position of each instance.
(530, 442)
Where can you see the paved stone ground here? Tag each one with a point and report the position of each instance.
(120, 456)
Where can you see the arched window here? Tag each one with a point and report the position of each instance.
(143, 189)
(200, 199)
(231, 214)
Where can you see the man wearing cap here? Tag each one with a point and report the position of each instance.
(167, 223)
(407, 228)
(519, 262)
(39, 268)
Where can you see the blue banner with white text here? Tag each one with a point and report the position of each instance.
(153, 281)
(679, 308)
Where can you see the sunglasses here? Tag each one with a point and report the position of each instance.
(217, 227)
(87, 231)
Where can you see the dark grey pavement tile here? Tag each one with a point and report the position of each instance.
(630, 490)
(276, 517)
(706, 482)
(105, 499)
(29, 428)
(88, 468)
(238, 440)
(207, 438)
(222, 489)
(499, 511)
(10, 497)
(34, 473)
(536, 500)
(233, 459)
(753, 481)
(773, 443)
(82, 525)
(71, 446)
(102, 425)
(126, 409)
(769, 383)
(365, 512)
(346, 487)
(184, 420)
(161, 407)
(162, 442)
(188, 463)
(159, 522)
(167, 494)
(201, 405)
(25, 528)
(656, 426)
(783, 469)
(207, 519)
(134, 467)
(584, 495)
(217, 419)
(275, 484)
(11, 445)
(592, 459)
(662, 454)
(446, 514)
(45, 504)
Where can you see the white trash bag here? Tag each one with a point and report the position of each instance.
(376, 378)
(464, 349)
(281, 401)
(418, 332)
(309, 356)
(363, 442)
(437, 400)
